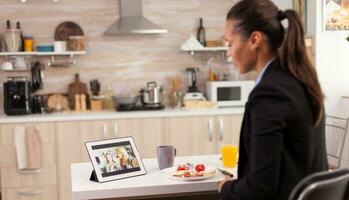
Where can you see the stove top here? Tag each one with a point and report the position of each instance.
(139, 107)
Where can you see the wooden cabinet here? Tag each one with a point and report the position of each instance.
(228, 130)
(202, 135)
(71, 138)
(190, 135)
(32, 193)
(13, 180)
(63, 143)
(148, 133)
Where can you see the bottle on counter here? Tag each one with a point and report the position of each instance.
(21, 42)
(83, 106)
(201, 33)
(77, 103)
(8, 25)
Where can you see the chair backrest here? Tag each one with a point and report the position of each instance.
(328, 185)
(336, 130)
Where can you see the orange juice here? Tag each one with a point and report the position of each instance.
(229, 155)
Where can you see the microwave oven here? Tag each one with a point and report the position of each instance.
(229, 93)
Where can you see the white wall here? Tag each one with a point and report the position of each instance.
(332, 52)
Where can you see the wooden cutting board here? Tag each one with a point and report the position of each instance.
(77, 87)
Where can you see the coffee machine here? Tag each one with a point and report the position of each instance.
(193, 92)
(17, 96)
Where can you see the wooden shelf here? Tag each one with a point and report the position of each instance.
(36, 53)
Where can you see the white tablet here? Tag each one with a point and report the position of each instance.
(115, 159)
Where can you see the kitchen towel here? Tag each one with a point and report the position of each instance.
(20, 145)
(33, 147)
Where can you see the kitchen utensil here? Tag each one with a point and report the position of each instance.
(60, 46)
(152, 94)
(77, 87)
(95, 87)
(37, 76)
(6, 66)
(38, 104)
(12, 39)
(2, 43)
(225, 173)
(67, 29)
(20, 63)
(57, 103)
(17, 96)
(193, 74)
(45, 48)
(126, 101)
(76, 43)
(28, 43)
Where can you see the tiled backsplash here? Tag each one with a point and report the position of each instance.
(124, 62)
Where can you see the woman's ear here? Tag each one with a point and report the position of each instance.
(255, 40)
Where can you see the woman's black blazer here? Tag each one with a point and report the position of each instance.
(279, 144)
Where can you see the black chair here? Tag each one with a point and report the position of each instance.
(329, 185)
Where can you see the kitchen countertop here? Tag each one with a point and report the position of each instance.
(107, 115)
(154, 183)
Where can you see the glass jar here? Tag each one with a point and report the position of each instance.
(76, 43)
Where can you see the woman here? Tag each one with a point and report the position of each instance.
(282, 135)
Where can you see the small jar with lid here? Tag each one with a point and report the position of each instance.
(28, 43)
(76, 43)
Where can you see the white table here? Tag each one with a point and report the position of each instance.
(154, 183)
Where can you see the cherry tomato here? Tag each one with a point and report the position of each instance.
(186, 174)
(200, 168)
(181, 167)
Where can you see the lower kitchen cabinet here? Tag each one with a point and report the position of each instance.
(33, 193)
(147, 133)
(71, 138)
(15, 181)
(63, 143)
(228, 130)
(191, 135)
(202, 135)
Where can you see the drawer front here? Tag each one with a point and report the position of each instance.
(11, 177)
(34, 193)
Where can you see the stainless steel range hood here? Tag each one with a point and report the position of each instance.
(132, 21)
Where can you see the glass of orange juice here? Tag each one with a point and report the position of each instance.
(229, 155)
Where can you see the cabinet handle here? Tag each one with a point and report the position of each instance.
(115, 129)
(210, 129)
(221, 129)
(24, 172)
(104, 131)
(30, 193)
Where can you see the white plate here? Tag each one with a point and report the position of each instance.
(170, 171)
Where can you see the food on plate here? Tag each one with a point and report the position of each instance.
(200, 167)
(190, 170)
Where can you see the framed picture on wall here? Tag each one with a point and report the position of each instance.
(336, 16)
(300, 6)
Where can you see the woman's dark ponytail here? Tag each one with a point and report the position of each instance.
(264, 16)
(294, 58)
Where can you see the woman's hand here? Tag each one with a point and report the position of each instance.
(221, 183)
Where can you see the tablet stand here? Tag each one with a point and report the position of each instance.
(93, 176)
